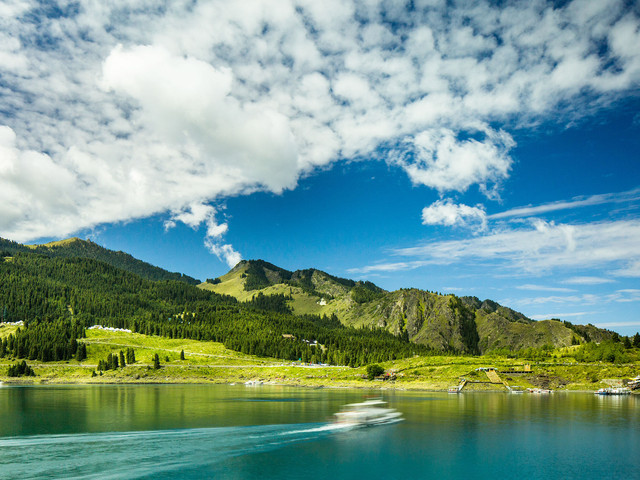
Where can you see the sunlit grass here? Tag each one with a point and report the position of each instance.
(211, 362)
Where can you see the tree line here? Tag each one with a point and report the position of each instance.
(58, 297)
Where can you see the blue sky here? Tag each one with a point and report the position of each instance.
(478, 150)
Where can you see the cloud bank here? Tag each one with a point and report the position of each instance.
(115, 111)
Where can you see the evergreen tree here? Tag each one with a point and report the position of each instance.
(156, 361)
(20, 369)
(122, 364)
(81, 353)
(636, 340)
(374, 370)
(131, 356)
(181, 354)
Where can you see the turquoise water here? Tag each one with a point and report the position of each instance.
(238, 432)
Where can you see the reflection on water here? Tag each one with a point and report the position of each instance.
(184, 431)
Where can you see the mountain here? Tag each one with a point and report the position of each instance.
(440, 322)
(57, 297)
(82, 278)
(77, 248)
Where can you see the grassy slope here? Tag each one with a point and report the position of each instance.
(232, 284)
(429, 318)
(498, 332)
(6, 330)
(210, 362)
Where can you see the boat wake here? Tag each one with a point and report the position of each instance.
(144, 454)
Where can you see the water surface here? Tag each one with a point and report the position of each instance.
(238, 432)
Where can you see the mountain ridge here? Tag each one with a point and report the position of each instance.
(75, 247)
(441, 322)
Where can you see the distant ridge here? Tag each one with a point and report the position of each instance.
(441, 322)
(78, 248)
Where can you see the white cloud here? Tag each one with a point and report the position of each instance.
(587, 280)
(544, 288)
(628, 196)
(442, 161)
(224, 98)
(619, 296)
(224, 252)
(617, 324)
(631, 269)
(445, 212)
(187, 102)
(195, 215)
(539, 248)
(547, 316)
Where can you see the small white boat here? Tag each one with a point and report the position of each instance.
(371, 412)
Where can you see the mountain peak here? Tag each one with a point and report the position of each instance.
(65, 242)
(75, 247)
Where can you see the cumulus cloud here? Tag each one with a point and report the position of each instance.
(439, 160)
(187, 102)
(195, 215)
(224, 252)
(445, 212)
(130, 112)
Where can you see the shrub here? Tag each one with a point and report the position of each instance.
(20, 369)
(374, 370)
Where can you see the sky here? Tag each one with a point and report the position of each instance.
(474, 147)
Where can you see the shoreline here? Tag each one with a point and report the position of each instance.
(4, 382)
(186, 361)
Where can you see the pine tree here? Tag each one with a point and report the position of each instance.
(81, 353)
(181, 354)
(122, 364)
(156, 361)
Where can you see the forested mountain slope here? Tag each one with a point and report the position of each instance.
(77, 248)
(260, 308)
(64, 295)
(441, 322)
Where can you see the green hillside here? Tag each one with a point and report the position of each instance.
(77, 248)
(259, 308)
(444, 323)
(57, 297)
(189, 361)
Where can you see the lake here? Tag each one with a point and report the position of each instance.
(271, 432)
